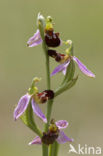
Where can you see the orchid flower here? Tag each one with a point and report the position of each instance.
(60, 136)
(51, 38)
(65, 61)
(35, 98)
(23, 104)
(35, 39)
(63, 67)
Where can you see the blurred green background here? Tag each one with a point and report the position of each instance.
(78, 20)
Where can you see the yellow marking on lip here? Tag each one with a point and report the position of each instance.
(37, 99)
(66, 57)
(53, 128)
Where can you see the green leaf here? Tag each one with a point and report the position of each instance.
(28, 120)
(70, 72)
(66, 86)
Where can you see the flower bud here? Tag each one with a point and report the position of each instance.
(40, 18)
(69, 42)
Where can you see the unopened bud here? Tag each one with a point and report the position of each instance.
(36, 79)
(69, 42)
(49, 19)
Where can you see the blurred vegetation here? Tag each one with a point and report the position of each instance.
(78, 20)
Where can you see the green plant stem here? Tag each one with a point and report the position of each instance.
(50, 150)
(48, 71)
(53, 149)
(50, 102)
(48, 114)
(44, 147)
(41, 25)
(44, 150)
(56, 149)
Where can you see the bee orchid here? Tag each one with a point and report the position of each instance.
(34, 98)
(54, 133)
(65, 60)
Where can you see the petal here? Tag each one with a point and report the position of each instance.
(61, 124)
(22, 105)
(83, 68)
(60, 68)
(64, 71)
(35, 40)
(38, 111)
(63, 138)
(36, 140)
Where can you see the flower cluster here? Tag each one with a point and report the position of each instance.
(46, 35)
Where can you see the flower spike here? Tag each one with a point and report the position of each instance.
(29, 103)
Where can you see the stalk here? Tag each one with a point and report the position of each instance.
(53, 149)
(41, 26)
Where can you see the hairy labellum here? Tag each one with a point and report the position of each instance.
(49, 137)
(52, 39)
(49, 94)
(58, 57)
(42, 97)
(52, 134)
(52, 53)
(45, 95)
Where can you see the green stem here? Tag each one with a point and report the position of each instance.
(44, 150)
(48, 71)
(48, 115)
(56, 149)
(53, 149)
(41, 25)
